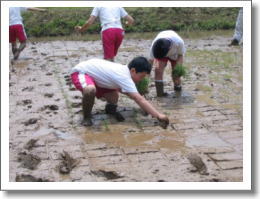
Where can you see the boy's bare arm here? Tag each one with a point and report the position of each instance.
(129, 20)
(146, 106)
(88, 23)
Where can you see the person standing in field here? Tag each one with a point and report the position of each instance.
(112, 32)
(238, 34)
(16, 29)
(105, 79)
(167, 46)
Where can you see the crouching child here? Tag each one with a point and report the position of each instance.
(104, 79)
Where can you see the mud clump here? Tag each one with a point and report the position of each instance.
(29, 178)
(29, 161)
(164, 124)
(109, 175)
(67, 164)
(24, 102)
(48, 95)
(30, 121)
(50, 107)
(30, 144)
(197, 162)
(28, 88)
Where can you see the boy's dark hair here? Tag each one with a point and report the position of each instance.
(141, 64)
(160, 48)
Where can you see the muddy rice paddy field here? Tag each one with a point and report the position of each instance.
(203, 143)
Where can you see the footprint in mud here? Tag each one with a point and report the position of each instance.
(76, 104)
(29, 178)
(50, 107)
(198, 163)
(49, 73)
(109, 175)
(28, 88)
(24, 102)
(48, 95)
(31, 144)
(67, 164)
(29, 161)
(48, 84)
(30, 121)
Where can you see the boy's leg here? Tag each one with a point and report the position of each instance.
(86, 85)
(88, 100)
(159, 69)
(19, 50)
(176, 80)
(22, 38)
(14, 47)
(111, 106)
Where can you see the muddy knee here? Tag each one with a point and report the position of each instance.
(89, 91)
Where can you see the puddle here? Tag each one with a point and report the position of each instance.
(124, 136)
(205, 140)
(176, 99)
(206, 99)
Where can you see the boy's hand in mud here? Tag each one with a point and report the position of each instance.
(163, 121)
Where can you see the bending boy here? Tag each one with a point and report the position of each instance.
(16, 29)
(101, 78)
(167, 46)
(112, 31)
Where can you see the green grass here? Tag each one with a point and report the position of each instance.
(179, 71)
(142, 86)
(61, 21)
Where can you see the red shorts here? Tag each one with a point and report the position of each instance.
(80, 81)
(112, 39)
(166, 59)
(17, 31)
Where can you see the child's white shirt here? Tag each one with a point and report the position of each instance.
(110, 17)
(15, 15)
(177, 44)
(107, 74)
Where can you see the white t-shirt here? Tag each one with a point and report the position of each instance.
(15, 15)
(110, 17)
(107, 74)
(177, 44)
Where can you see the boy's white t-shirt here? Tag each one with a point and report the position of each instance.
(15, 15)
(177, 47)
(110, 17)
(107, 74)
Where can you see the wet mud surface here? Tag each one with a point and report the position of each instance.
(203, 141)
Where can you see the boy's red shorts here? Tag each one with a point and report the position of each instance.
(17, 31)
(112, 39)
(80, 81)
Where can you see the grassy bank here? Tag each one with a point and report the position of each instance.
(61, 21)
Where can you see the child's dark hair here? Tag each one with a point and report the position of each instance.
(141, 64)
(161, 47)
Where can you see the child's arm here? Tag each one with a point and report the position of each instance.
(129, 20)
(147, 107)
(36, 9)
(88, 23)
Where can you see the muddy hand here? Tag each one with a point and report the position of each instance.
(163, 121)
(77, 28)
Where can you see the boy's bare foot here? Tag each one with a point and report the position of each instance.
(119, 117)
(87, 122)
(16, 54)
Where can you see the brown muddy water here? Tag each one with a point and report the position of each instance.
(48, 143)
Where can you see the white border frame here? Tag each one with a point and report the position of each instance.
(245, 185)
